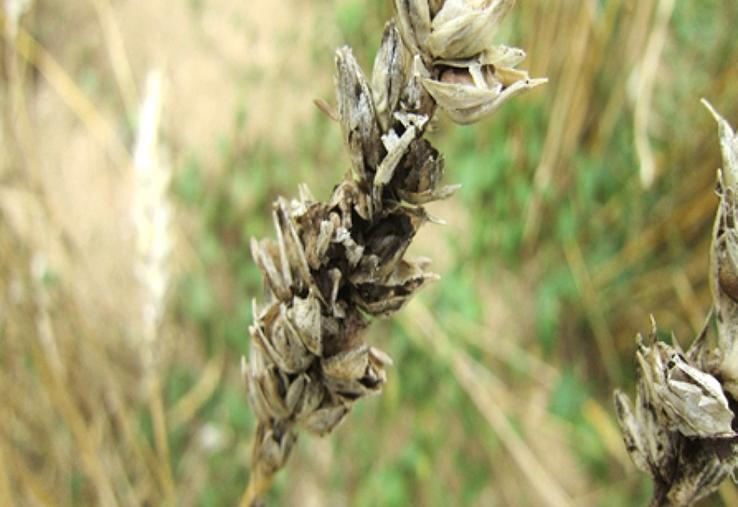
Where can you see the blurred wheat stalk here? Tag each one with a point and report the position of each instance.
(681, 430)
(335, 262)
(152, 223)
(72, 389)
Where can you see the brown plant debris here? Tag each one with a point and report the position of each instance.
(336, 264)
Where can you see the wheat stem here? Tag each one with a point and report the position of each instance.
(259, 484)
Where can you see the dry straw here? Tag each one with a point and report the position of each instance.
(680, 430)
(336, 263)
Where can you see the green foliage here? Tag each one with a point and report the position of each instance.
(351, 16)
(568, 396)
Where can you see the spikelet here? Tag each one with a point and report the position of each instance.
(467, 74)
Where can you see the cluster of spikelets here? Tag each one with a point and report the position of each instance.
(336, 263)
(681, 429)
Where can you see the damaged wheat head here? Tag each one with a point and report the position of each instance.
(682, 429)
(334, 264)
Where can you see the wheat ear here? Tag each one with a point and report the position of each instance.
(334, 264)
(681, 429)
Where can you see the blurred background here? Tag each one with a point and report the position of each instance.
(141, 145)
